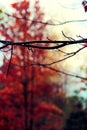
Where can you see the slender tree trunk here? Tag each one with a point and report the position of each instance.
(31, 124)
(25, 92)
(28, 122)
(26, 107)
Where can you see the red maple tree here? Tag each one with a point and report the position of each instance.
(26, 95)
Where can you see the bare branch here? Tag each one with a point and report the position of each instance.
(30, 44)
(59, 71)
(80, 36)
(62, 51)
(69, 55)
(69, 38)
(47, 23)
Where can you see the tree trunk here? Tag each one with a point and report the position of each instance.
(26, 108)
(25, 93)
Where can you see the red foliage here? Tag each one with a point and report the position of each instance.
(84, 3)
(27, 91)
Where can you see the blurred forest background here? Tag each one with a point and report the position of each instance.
(39, 85)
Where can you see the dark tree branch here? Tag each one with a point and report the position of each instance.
(62, 52)
(59, 71)
(56, 70)
(69, 38)
(69, 55)
(32, 44)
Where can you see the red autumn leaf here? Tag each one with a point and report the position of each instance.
(84, 3)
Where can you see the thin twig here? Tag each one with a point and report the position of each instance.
(69, 38)
(10, 61)
(47, 23)
(69, 55)
(59, 71)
